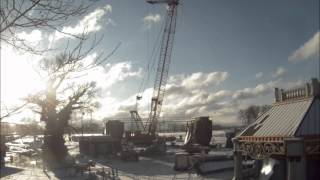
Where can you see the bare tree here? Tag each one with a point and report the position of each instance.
(5, 112)
(23, 15)
(250, 114)
(62, 96)
(17, 15)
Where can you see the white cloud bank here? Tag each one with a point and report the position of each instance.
(197, 80)
(253, 92)
(186, 95)
(307, 51)
(89, 23)
(193, 95)
(109, 74)
(119, 72)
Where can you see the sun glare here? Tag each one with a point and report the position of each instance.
(18, 77)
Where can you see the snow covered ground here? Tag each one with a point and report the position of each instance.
(145, 169)
(155, 168)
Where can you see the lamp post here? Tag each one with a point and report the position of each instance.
(82, 114)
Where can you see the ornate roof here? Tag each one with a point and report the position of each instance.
(296, 112)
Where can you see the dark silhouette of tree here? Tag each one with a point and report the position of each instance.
(17, 15)
(62, 96)
(250, 114)
(25, 15)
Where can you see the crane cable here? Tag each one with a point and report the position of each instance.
(151, 59)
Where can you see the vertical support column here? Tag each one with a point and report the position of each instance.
(307, 90)
(296, 161)
(282, 95)
(315, 87)
(237, 155)
(296, 168)
(276, 94)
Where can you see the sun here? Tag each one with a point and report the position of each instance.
(18, 76)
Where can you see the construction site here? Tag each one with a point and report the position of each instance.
(281, 141)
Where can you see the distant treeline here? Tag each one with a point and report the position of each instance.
(30, 127)
(35, 128)
(21, 129)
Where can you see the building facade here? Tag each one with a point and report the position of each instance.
(284, 142)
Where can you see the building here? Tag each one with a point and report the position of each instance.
(103, 145)
(286, 138)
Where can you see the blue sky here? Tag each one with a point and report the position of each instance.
(227, 54)
(243, 38)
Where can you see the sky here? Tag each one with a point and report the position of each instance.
(227, 55)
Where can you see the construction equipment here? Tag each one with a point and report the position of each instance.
(103, 145)
(149, 130)
(198, 135)
(163, 64)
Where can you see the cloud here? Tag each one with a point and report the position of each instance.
(192, 95)
(151, 19)
(34, 37)
(89, 23)
(279, 72)
(307, 51)
(110, 74)
(259, 75)
(200, 79)
(30, 39)
(119, 72)
(186, 95)
(259, 90)
(105, 77)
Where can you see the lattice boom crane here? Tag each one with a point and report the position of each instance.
(163, 63)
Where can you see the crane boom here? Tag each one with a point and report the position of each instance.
(163, 63)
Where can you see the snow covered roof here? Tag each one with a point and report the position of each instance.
(295, 113)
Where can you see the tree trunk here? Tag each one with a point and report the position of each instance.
(54, 149)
